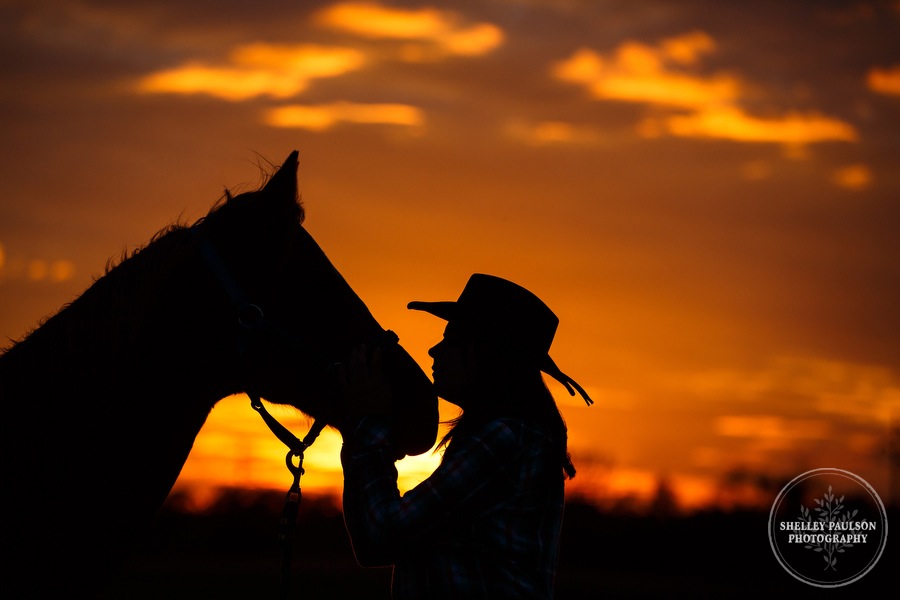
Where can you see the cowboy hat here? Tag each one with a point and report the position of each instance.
(497, 310)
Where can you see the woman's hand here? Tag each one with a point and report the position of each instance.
(364, 389)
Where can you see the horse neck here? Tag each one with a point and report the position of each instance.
(121, 378)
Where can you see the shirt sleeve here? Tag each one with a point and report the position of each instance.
(381, 522)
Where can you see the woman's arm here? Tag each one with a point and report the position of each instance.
(382, 523)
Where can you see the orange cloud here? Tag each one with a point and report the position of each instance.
(325, 116)
(621, 482)
(771, 427)
(709, 106)
(756, 170)
(640, 73)
(730, 122)
(853, 177)
(687, 49)
(35, 269)
(863, 394)
(442, 28)
(256, 70)
(884, 81)
(551, 132)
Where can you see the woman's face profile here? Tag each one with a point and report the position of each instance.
(452, 369)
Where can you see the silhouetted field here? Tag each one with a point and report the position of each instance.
(232, 551)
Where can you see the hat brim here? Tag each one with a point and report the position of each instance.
(442, 310)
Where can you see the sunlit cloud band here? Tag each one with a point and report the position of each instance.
(256, 70)
(699, 106)
(731, 123)
(885, 81)
(321, 117)
(442, 28)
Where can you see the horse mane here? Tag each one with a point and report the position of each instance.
(126, 278)
(125, 281)
(227, 197)
(155, 241)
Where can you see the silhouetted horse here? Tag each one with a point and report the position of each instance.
(102, 402)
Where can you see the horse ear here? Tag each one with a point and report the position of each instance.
(283, 184)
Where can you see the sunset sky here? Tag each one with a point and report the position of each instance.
(707, 194)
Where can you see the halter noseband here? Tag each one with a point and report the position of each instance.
(252, 321)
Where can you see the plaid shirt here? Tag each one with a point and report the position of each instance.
(485, 524)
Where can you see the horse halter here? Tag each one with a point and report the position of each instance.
(252, 325)
(251, 322)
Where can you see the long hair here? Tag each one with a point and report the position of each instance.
(511, 387)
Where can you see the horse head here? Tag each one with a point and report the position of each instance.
(294, 317)
(119, 382)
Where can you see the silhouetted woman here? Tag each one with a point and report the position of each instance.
(486, 523)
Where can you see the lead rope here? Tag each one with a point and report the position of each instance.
(296, 448)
